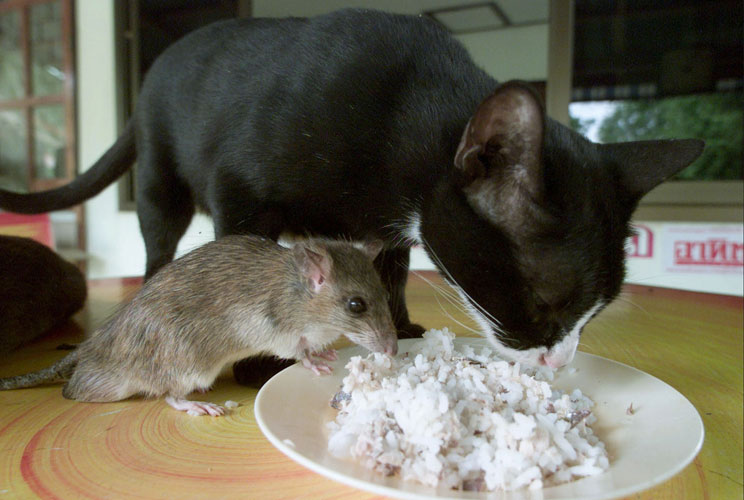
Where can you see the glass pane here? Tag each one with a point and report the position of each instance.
(13, 172)
(717, 118)
(46, 49)
(11, 57)
(49, 142)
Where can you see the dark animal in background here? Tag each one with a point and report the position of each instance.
(361, 124)
(235, 297)
(38, 291)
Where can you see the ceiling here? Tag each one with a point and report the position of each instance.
(459, 16)
(678, 46)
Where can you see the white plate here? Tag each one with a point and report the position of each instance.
(663, 435)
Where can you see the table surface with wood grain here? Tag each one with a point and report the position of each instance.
(54, 448)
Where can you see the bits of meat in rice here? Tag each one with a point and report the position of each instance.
(462, 419)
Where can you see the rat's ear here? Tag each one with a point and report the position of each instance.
(313, 263)
(371, 248)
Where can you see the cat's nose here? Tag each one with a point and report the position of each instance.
(552, 361)
(560, 356)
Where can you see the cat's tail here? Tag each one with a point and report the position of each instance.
(112, 165)
(59, 371)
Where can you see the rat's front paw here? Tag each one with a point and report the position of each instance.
(317, 367)
(329, 354)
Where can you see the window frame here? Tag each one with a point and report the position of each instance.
(28, 103)
(694, 201)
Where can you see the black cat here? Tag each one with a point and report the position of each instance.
(362, 124)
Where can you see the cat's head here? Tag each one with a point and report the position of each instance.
(531, 227)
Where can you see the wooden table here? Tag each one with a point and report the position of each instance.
(54, 448)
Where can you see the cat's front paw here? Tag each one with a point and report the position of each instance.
(256, 371)
(410, 331)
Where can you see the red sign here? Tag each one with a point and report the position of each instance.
(710, 252)
(704, 248)
(641, 244)
(37, 227)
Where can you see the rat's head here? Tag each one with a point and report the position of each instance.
(348, 296)
(531, 227)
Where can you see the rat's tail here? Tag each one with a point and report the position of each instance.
(59, 371)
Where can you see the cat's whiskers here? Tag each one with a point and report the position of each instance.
(586, 347)
(598, 339)
(486, 319)
(446, 313)
(453, 300)
(452, 282)
(622, 297)
(446, 292)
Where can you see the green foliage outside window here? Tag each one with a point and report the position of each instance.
(717, 118)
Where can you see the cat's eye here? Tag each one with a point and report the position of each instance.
(539, 302)
(356, 305)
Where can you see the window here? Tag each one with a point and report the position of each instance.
(37, 149)
(715, 117)
(656, 70)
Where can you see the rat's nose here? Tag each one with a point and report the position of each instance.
(392, 347)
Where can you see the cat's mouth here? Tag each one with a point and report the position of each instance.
(558, 354)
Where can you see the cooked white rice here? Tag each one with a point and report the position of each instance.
(462, 419)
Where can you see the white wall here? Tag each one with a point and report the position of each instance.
(114, 242)
(506, 53)
(512, 53)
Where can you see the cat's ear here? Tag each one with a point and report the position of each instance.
(643, 165)
(314, 264)
(371, 248)
(503, 140)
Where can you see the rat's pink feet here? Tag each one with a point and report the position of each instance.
(310, 361)
(195, 408)
(317, 367)
(329, 354)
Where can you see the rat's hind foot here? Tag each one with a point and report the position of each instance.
(195, 408)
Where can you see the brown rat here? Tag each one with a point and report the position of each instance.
(234, 297)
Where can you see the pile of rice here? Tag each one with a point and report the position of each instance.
(462, 419)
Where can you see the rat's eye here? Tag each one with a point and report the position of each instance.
(356, 305)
